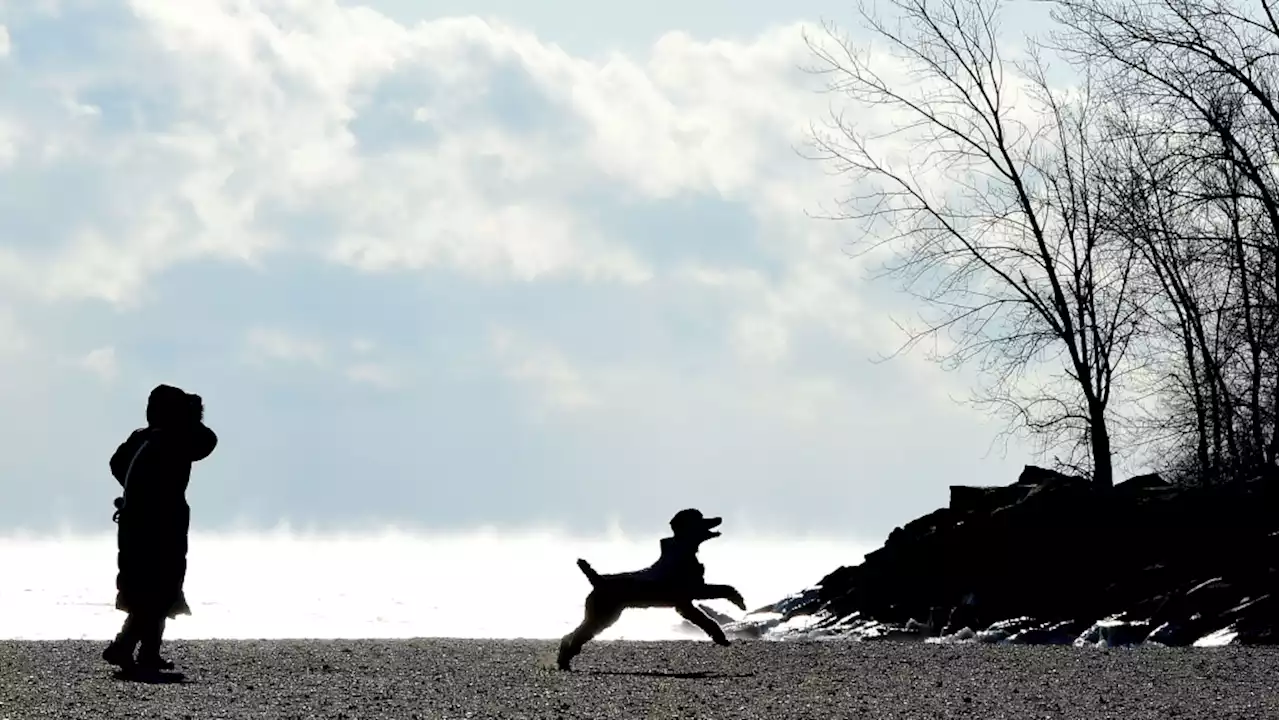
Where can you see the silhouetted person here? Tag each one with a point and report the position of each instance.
(154, 467)
(674, 581)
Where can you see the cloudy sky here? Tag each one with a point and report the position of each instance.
(450, 264)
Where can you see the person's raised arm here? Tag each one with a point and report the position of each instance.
(200, 439)
(203, 440)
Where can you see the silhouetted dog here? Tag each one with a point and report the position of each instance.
(674, 581)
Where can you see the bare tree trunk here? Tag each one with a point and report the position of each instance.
(1275, 356)
(1256, 432)
(1100, 444)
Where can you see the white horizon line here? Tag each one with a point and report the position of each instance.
(285, 531)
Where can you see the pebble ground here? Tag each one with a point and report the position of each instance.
(454, 679)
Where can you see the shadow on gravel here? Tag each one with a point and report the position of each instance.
(151, 678)
(698, 675)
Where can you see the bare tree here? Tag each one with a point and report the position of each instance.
(1193, 125)
(1177, 292)
(989, 213)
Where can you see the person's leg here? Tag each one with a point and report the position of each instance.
(129, 631)
(120, 651)
(165, 583)
(151, 636)
(699, 618)
(600, 613)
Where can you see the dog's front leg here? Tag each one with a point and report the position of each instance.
(699, 618)
(723, 592)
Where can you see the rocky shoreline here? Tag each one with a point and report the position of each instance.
(1051, 560)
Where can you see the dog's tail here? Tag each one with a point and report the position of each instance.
(589, 571)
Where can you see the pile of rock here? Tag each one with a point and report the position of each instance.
(1052, 559)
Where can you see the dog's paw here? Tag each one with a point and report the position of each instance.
(736, 599)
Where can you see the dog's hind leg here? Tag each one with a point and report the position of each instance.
(601, 612)
(699, 618)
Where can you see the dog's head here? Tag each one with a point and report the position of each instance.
(689, 523)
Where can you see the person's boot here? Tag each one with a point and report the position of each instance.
(149, 657)
(119, 653)
(149, 654)
(153, 661)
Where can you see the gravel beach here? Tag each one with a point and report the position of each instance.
(436, 678)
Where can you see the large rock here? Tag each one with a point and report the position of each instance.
(968, 499)
(1139, 483)
(1174, 563)
(1034, 475)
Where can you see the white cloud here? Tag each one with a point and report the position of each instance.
(365, 363)
(396, 191)
(9, 138)
(13, 338)
(553, 379)
(374, 374)
(269, 99)
(101, 362)
(518, 241)
(269, 344)
(629, 390)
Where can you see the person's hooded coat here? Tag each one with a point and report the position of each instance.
(153, 466)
